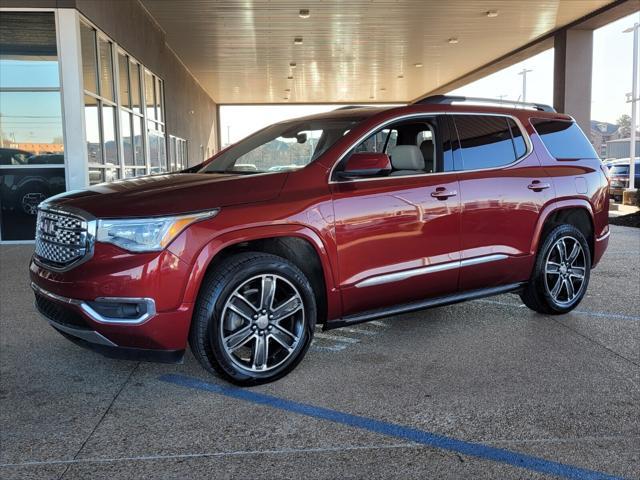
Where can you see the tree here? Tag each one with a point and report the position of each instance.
(624, 124)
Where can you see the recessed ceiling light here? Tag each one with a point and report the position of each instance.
(293, 64)
(400, 76)
(491, 13)
(382, 89)
(290, 77)
(287, 89)
(371, 97)
(285, 98)
(304, 13)
(297, 41)
(417, 65)
(453, 40)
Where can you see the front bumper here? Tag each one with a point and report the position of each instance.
(155, 281)
(73, 319)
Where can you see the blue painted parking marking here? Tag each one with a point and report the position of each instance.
(472, 449)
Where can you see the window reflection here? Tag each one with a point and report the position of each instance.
(28, 56)
(92, 129)
(31, 122)
(127, 145)
(109, 135)
(31, 135)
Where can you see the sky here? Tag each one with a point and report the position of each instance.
(611, 80)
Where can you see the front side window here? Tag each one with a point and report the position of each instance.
(486, 141)
(414, 146)
(563, 139)
(281, 147)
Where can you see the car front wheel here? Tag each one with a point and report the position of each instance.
(561, 273)
(254, 318)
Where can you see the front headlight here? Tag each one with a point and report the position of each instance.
(146, 234)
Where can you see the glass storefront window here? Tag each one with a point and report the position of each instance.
(127, 144)
(124, 113)
(92, 129)
(89, 58)
(106, 69)
(149, 95)
(31, 134)
(134, 68)
(123, 67)
(109, 135)
(138, 141)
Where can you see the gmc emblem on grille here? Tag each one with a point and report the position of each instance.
(48, 226)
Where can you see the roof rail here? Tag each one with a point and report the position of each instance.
(450, 99)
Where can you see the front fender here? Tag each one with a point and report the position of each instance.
(227, 239)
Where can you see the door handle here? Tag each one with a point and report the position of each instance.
(538, 186)
(442, 193)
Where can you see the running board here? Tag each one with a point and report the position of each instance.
(421, 305)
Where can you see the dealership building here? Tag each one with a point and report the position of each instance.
(99, 90)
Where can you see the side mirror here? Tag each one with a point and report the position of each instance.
(366, 164)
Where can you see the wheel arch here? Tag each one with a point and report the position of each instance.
(298, 244)
(573, 212)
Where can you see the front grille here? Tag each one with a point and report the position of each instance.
(60, 313)
(61, 238)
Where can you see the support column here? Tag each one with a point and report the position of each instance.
(573, 50)
(70, 58)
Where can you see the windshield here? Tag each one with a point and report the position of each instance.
(282, 147)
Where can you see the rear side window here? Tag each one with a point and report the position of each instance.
(563, 139)
(488, 141)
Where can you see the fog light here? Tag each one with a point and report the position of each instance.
(120, 310)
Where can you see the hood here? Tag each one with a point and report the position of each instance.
(172, 194)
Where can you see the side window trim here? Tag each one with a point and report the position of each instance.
(458, 157)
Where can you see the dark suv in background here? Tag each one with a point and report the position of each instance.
(331, 219)
(619, 174)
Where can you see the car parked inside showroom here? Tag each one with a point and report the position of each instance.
(343, 217)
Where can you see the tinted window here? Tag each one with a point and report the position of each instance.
(563, 139)
(485, 141)
(518, 140)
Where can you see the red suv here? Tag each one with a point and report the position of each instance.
(331, 219)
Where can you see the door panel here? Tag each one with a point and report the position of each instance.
(395, 225)
(500, 207)
(499, 215)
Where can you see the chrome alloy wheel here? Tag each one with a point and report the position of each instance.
(262, 323)
(565, 268)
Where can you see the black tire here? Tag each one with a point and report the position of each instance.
(538, 293)
(207, 331)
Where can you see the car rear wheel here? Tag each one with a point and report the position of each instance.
(561, 273)
(254, 318)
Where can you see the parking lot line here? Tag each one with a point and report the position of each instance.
(410, 434)
(234, 453)
(579, 312)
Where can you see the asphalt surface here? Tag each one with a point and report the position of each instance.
(434, 395)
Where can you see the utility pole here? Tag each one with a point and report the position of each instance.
(524, 83)
(634, 100)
